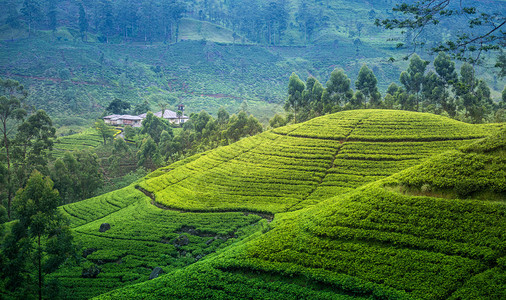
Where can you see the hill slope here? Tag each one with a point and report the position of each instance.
(295, 166)
(282, 170)
(373, 242)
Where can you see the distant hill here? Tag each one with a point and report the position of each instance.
(206, 54)
(71, 77)
(374, 242)
(330, 233)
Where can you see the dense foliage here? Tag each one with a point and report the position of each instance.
(444, 92)
(38, 242)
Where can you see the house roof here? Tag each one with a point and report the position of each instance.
(111, 116)
(123, 117)
(129, 117)
(168, 114)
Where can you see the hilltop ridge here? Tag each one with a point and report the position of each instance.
(298, 165)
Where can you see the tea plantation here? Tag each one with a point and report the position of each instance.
(373, 242)
(299, 165)
(86, 140)
(367, 204)
(141, 237)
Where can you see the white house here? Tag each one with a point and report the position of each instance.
(169, 115)
(134, 121)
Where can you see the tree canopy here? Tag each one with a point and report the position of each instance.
(485, 30)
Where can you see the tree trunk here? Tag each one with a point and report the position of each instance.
(417, 101)
(7, 155)
(39, 258)
(177, 31)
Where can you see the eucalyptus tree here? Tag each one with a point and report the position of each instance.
(367, 83)
(12, 94)
(312, 96)
(39, 240)
(337, 90)
(83, 22)
(295, 90)
(32, 12)
(413, 77)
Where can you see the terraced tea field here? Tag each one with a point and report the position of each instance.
(295, 166)
(341, 229)
(141, 238)
(85, 140)
(371, 243)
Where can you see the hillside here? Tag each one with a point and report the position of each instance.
(86, 140)
(299, 165)
(83, 78)
(371, 243)
(218, 198)
(221, 53)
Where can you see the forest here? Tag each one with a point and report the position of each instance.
(330, 149)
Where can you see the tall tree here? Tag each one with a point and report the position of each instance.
(295, 89)
(174, 11)
(77, 175)
(503, 97)
(11, 113)
(434, 93)
(83, 22)
(312, 96)
(148, 154)
(277, 121)
(223, 116)
(52, 15)
(147, 19)
(473, 93)
(118, 106)
(141, 108)
(338, 89)
(241, 125)
(154, 126)
(34, 139)
(412, 78)
(106, 26)
(41, 222)
(366, 83)
(31, 11)
(445, 68)
(104, 130)
(307, 17)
